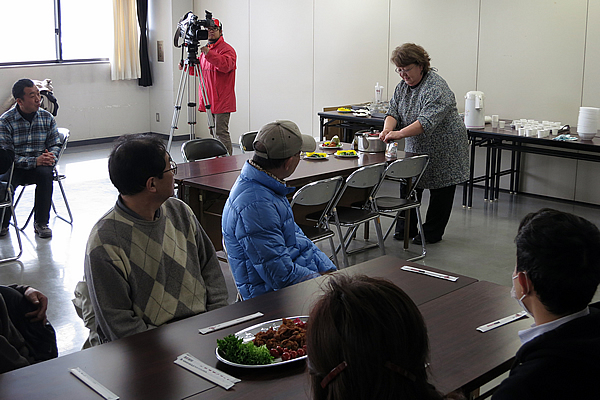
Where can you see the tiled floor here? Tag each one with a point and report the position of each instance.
(478, 241)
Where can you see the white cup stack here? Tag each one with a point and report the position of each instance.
(587, 124)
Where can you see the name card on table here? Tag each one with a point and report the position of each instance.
(501, 321)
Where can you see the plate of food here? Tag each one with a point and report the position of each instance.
(346, 153)
(344, 110)
(334, 143)
(316, 156)
(268, 344)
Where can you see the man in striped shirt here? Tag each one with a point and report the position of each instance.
(31, 133)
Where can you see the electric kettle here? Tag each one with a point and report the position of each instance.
(474, 110)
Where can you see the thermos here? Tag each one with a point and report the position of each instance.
(474, 110)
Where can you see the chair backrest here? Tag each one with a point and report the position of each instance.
(247, 141)
(64, 134)
(199, 149)
(367, 177)
(318, 193)
(6, 197)
(407, 168)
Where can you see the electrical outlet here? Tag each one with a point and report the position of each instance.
(157, 117)
(160, 51)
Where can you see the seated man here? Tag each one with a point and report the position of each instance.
(148, 261)
(266, 249)
(557, 273)
(26, 337)
(31, 133)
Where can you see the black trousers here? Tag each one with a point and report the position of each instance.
(42, 177)
(438, 213)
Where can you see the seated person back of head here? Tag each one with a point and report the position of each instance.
(557, 274)
(266, 249)
(148, 261)
(366, 339)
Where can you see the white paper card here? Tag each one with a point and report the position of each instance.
(502, 321)
(196, 366)
(236, 321)
(430, 273)
(92, 383)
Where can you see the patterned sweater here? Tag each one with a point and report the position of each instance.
(142, 274)
(444, 136)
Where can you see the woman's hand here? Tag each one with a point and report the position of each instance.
(387, 135)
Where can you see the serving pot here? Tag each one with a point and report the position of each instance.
(369, 142)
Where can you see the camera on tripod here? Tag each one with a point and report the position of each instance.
(192, 30)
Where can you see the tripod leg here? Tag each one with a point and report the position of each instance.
(192, 104)
(177, 109)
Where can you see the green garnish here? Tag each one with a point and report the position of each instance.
(235, 350)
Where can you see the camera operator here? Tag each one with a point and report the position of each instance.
(217, 62)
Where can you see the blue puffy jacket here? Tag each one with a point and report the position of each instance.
(266, 249)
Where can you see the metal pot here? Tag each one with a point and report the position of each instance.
(369, 142)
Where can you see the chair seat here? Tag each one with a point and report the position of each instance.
(316, 234)
(355, 216)
(388, 204)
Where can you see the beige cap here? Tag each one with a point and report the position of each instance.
(282, 139)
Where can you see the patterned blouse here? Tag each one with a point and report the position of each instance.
(444, 136)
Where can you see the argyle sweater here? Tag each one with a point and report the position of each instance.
(142, 274)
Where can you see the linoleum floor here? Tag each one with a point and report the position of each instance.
(478, 241)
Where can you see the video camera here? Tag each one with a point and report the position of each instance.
(192, 30)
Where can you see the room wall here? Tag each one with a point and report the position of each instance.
(534, 59)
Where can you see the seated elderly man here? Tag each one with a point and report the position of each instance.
(148, 261)
(557, 274)
(266, 249)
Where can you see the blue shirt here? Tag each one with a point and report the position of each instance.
(28, 140)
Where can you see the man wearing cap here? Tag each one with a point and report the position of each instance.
(266, 249)
(217, 63)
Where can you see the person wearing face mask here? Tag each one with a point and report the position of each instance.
(557, 274)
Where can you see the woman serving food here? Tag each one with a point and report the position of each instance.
(423, 110)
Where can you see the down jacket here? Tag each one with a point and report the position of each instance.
(266, 249)
(218, 69)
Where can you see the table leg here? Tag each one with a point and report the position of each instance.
(321, 128)
(512, 169)
(487, 173)
(498, 165)
(518, 169)
(471, 173)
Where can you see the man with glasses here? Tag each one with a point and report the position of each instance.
(148, 261)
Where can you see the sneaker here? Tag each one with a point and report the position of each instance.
(4, 232)
(42, 230)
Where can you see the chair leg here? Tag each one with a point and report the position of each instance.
(14, 258)
(28, 219)
(377, 223)
(335, 259)
(342, 244)
(64, 196)
(422, 234)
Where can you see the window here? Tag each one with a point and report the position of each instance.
(55, 30)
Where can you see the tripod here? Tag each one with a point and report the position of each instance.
(191, 64)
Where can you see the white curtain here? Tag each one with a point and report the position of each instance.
(125, 63)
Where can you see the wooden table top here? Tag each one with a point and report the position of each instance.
(307, 171)
(141, 366)
(211, 166)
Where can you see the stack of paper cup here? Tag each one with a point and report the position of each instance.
(587, 124)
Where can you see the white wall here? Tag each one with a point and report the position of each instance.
(533, 59)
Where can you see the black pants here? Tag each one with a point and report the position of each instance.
(438, 213)
(42, 177)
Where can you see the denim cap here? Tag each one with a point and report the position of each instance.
(282, 139)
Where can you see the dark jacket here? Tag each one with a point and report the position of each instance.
(560, 364)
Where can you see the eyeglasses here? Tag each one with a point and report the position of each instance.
(404, 71)
(173, 167)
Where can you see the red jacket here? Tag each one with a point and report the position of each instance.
(218, 70)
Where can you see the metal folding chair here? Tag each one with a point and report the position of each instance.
(64, 134)
(366, 178)
(316, 194)
(199, 149)
(247, 141)
(7, 204)
(409, 170)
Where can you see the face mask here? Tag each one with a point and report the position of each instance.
(513, 294)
